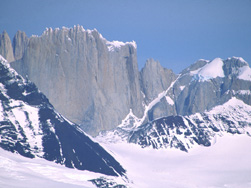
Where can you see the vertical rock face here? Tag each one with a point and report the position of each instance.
(20, 42)
(5, 47)
(155, 79)
(91, 81)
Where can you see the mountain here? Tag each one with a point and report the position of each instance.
(96, 83)
(91, 81)
(202, 86)
(208, 99)
(6, 49)
(31, 127)
(185, 132)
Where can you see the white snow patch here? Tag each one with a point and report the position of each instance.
(182, 88)
(155, 101)
(204, 60)
(17, 171)
(211, 70)
(118, 44)
(232, 103)
(2, 59)
(245, 73)
(169, 100)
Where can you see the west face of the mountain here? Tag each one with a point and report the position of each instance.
(30, 126)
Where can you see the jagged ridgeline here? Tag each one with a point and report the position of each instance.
(30, 126)
(88, 79)
(95, 83)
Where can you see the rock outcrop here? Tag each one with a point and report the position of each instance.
(20, 42)
(155, 79)
(6, 49)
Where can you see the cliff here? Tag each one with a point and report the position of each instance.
(88, 79)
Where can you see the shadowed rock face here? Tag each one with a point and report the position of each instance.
(91, 81)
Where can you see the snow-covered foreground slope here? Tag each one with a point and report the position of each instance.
(225, 164)
(19, 172)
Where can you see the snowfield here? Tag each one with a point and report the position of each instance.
(211, 70)
(17, 171)
(226, 164)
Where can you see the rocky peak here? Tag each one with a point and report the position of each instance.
(6, 49)
(234, 66)
(91, 81)
(195, 66)
(155, 79)
(19, 44)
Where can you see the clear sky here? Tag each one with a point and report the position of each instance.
(176, 33)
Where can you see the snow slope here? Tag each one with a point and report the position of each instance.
(211, 70)
(245, 73)
(225, 164)
(20, 172)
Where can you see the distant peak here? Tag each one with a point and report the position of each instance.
(238, 59)
(151, 62)
(210, 70)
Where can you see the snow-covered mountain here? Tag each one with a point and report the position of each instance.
(207, 99)
(184, 132)
(17, 171)
(201, 87)
(31, 127)
(95, 82)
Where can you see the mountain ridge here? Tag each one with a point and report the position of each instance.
(95, 82)
(184, 132)
(84, 74)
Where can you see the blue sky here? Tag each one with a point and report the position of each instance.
(176, 33)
